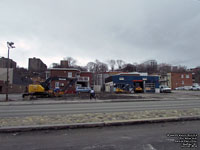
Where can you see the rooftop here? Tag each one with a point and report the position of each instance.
(71, 69)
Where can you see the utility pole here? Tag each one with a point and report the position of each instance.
(9, 45)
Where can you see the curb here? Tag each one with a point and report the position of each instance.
(93, 125)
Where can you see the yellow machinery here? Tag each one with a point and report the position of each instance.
(43, 90)
(35, 88)
(118, 90)
(138, 89)
(39, 91)
(124, 88)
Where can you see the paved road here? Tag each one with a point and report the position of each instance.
(52, 109)
(136, 137)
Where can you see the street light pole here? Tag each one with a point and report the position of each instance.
(9, 45)
(7, 84)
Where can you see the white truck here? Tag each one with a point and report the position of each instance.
(165, 89)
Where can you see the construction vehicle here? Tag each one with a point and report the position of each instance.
(138, 89)
(124, 88)
(138, 86)
(43, 89)
(119, 90)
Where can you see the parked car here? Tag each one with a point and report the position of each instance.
(165, 89)
(187, 87)
(179, 88)
(83, 89)
(184, 88)
(195, 88)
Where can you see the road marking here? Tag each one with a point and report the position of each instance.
(126, 137)
(148, 147)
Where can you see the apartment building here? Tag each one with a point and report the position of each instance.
(179, 79)
(67, 79)
(4, 63)
(36, 65)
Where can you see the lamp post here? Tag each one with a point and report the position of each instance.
(9, 45)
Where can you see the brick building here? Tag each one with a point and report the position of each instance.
(195, 74)
(179, 79)
(68, 79)
(85, 79)
(36, 65)
(4, 63)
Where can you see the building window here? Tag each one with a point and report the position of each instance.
(70, 74)
(47, 75)
(182, 76)
(121, 78)
(187, 76)
(182, 82)
(56, 84)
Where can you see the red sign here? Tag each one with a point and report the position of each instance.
(137, 80)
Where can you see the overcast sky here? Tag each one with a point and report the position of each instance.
(131, 30)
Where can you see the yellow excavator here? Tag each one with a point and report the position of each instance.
(124, 88)
(43, 89)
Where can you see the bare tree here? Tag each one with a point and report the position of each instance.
(150, 69)
(129, 68)
(91, 66)
(54, 65)
(102, 67)
(179, 69)
(97, 66)
(141, 68)
(81, 68)
(112, 64)
(120, 63)
(164, 68)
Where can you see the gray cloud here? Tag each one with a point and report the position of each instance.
(132, 30)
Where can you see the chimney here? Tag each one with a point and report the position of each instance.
(64, 64)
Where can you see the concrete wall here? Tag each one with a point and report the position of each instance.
(3, 74)
(97, 88)
(169, 80)
(109, 87)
